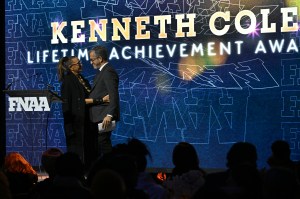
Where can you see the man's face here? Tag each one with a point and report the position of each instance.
(95, 61)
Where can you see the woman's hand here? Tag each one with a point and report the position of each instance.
(105, 99)
(88, 100)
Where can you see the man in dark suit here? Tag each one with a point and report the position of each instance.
(106, 82)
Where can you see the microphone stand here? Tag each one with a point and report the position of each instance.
(19, 79)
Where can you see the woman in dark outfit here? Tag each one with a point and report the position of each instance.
(79, 131)
(74, 89)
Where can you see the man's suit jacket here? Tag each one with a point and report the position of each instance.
(105, 82)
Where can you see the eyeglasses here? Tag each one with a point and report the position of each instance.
(92, 60)
(78, 63)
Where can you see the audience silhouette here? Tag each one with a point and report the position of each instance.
(122, 174)
(185, 159)
(121, 161)
(48, 161)
(240, 180)
(282, 179)
(281, 155)
(69, 181)
(186, 177)
(21, 175)
(145, 180)
(108, 184)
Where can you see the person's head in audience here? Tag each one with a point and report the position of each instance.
(185, 158)
(280, 155)
(241, 153)
(48, 160)
(125, 166)
(21, 175)
(16, 163)
(108, 184)
(140, 152)
(69, 165)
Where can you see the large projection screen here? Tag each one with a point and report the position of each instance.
(209, 72)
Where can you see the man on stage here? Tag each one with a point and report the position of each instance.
(106, 82)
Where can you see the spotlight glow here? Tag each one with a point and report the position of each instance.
(255, 32)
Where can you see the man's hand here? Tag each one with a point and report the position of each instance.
(106, 121)
(105, 98)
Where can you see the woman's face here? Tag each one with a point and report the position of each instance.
(76, 66)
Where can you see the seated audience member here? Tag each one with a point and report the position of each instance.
(186, 177)
(145, 180)
(69, 181)
(4, 187)
(48, 161)
(123, 163)
(185, 159)
(281, 155)
(108, 184)
(240, 180)
(21, 176)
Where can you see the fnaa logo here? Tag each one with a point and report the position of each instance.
(28, 104)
